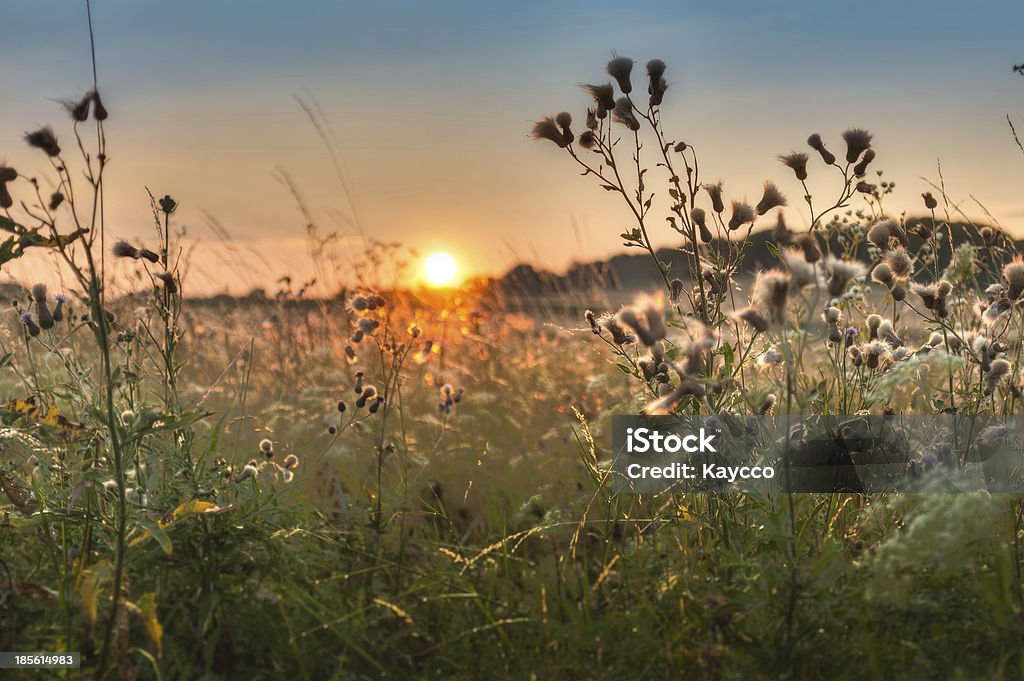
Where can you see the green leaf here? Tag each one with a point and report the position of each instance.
(158, 533)
(772, 249)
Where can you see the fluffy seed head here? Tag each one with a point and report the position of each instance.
(814, 142)
(44, 139)
(771, 291)
(715, 192)
(623, 113)
(797, 162)
(840, 273)
(547, 129)
(809, 246)
(123, 249)
(604, 96)
(620, 68)
(742, 214)
(770, 198)
(900, 262)
(1013, 274)
(858, 141)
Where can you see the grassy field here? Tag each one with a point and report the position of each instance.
(389, 484)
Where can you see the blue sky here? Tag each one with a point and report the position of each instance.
(430, 104)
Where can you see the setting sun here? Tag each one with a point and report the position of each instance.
(439, 269)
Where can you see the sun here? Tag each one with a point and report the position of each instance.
(439, 269)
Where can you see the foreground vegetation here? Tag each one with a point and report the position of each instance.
(380, 485)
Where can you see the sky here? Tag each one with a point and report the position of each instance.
(429, 106)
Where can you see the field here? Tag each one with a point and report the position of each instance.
(399, 482)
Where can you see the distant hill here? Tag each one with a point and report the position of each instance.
(635, 270)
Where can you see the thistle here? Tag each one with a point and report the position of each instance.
(44, 139)
(861, 168)
(771, 292)
(797, 162)
(623, 113)
(546, 128)
(858, 141)
(841, 273)
(657, 85)
(604, 96)
(1013, 275)
(620, 68)
(814, 142)
(42, 309)
(715, 192)
(742, 214)
(770, 198)
(30, 325)
(699, 218)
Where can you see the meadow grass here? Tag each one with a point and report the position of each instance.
(390, 485)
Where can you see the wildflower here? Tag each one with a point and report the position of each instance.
(882, 273)
(56, 199)
(676, 287)
(619, 68)
(888, 334)
(865, 188)
(646, 318)
(809, 245)
(546, 128)
(357, 336)
(742, 213)
(350, 353)
(99, 112)
(797, 162)
(770, 357)
(751, 316)
(247, 472)
(331, 430)
(657, 85)
(771, 291)
(44, 139)
(873, 322)
(900, 262)
(604, 96)
(699, 218)
(861, 168)
(851, 334)
(832, 315)
(856, 355)
(358, 387)
(358, 303)
(149, 255)
(623, 113)
(123, 249)
(858, 141)
(900, 354)
(667, 402)
(26, 319)
(368, 325)
(167, 279)
(994, 311)
(564, 121)
(884, 230)
(588, 140)
(78, 110)
(801, 272)
(780, 233)
(715, 192)
(998, 370)
(42, 309)
(127, 416)
(290, 461)
(876, 353)
(267, 447)
(771, 198)
(840, 273)
(619, 335)
(369, 392)
(376, 404)
(58, 309)
(929, 201)
(1013, 274)
(814, 142)
(342, 406)
(7, 174)
(933, 296)
(592, 321)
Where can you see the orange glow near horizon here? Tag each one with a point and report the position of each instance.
(439, 270)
